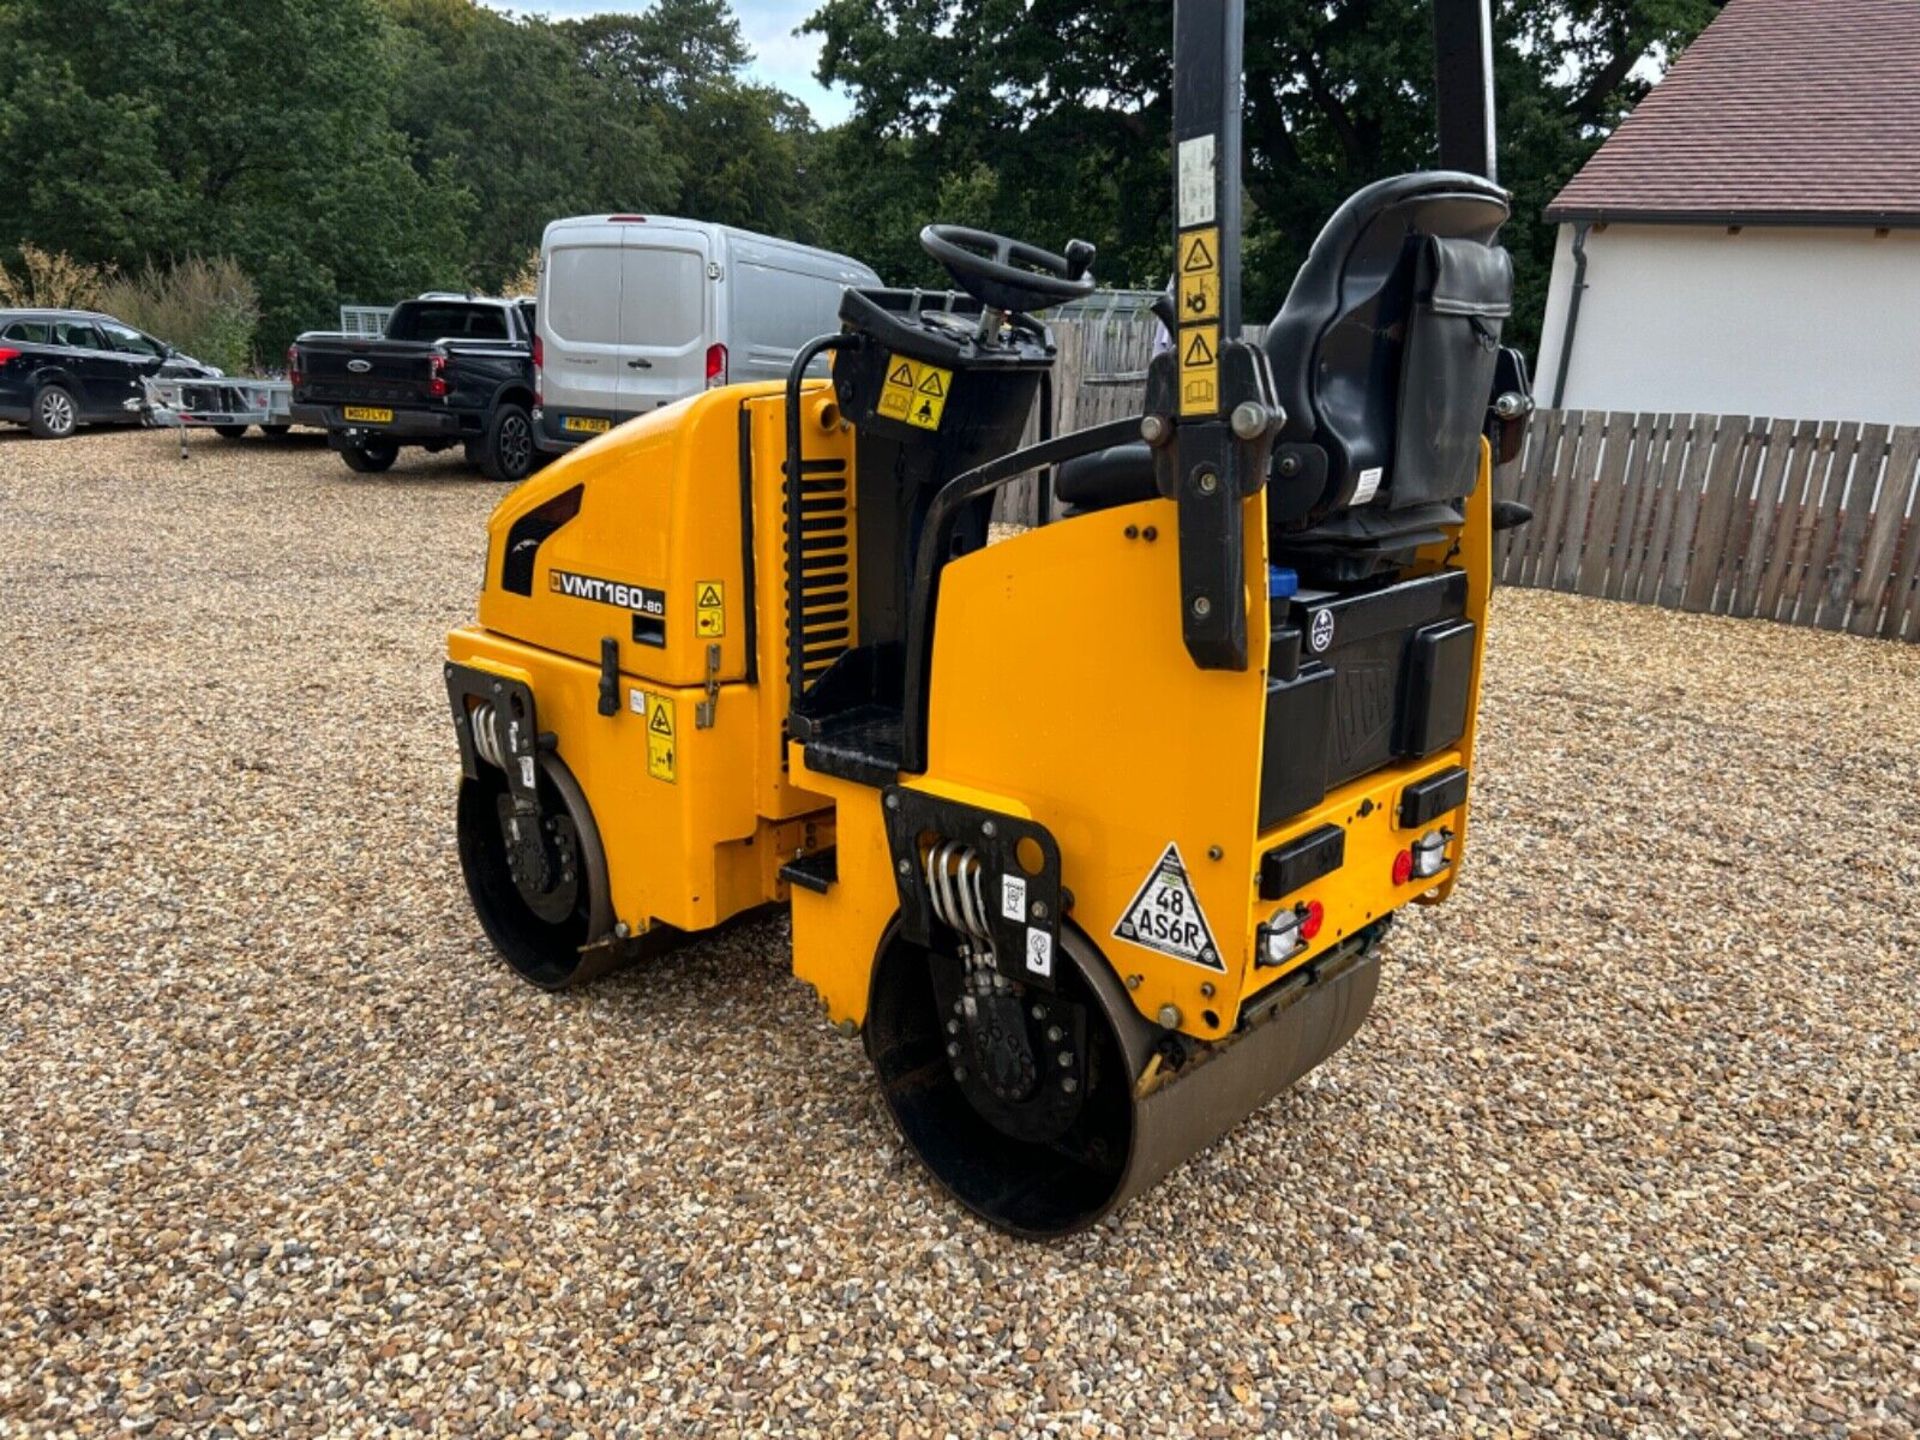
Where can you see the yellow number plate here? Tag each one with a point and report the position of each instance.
(371, 414)
(588, 424)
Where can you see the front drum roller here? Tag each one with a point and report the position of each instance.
(1030, 1170)
(538, 882)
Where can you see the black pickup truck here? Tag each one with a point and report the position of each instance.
(450, 370)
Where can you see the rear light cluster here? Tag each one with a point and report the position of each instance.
(294, 376)
(437, 379)
(1291, 930)
(539, 375)
(1426, 858)
(8, 354)
(716, 366)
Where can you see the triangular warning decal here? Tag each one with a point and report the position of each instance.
(930, 384)
(709, 595)
(902, 375)
(1199, 352)
(1165, 916)
(1199, 257)
(661, 722)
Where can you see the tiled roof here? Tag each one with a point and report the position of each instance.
(1794, 111)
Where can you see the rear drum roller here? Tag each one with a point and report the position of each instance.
(1034, 1145)
(538, 882)
(1030, 1113)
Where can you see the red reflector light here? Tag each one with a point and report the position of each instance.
(293, 365)
(8, 353)
(539, 378)
(1311, 922)
(1403, 867)
(628, 219)
(716, 365)
(437, 386)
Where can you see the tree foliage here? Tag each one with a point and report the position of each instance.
(206, 307)
(133, 131)
(52, 280)
(361, 150)
(1055, 115)
(507, 110)
(739, 149)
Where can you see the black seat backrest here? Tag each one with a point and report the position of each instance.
(1383, 354)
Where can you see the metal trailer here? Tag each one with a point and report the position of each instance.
(235, 402)
(364, 322)
(228, 404)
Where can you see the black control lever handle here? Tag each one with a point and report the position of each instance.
(1510, 514)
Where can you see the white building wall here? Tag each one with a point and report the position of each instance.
(1783, 322)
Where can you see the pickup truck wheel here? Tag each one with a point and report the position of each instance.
(508, 451)
(230, 432)
(54, 415)
(370, 458)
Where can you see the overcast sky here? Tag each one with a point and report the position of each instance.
(780, 57)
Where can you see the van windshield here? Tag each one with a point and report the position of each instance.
(446, 320)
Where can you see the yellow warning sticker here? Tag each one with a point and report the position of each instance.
(1200, 251)
(915, 393)
(710, 609)
(1199, 369)
(1200, 275)
(896, 396)
(660, 744)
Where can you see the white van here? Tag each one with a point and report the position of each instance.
(638, 311)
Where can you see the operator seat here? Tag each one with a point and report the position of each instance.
(1383, 356)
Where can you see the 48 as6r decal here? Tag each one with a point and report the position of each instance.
(1165, 916)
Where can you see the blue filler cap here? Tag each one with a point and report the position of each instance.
(1282, 584)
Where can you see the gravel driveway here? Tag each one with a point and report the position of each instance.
(1628, 1148)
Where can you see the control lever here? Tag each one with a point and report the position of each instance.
(1510, 515)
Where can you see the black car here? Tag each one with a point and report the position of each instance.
(450, 370)
(60, 369)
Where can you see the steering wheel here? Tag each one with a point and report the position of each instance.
(982, 264)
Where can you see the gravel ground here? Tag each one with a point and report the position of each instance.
(1628, 1147)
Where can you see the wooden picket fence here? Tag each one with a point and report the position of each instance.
(1099, 374)
(1806, 522)
(1802, 521)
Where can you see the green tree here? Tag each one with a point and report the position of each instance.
(876, 197)
(131, 132)
(532, 133)
(741, 151)
(667, 54)
(1064, 104)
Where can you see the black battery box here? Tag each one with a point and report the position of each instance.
(1359, 679)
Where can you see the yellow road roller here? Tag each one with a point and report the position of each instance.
(1091, 831)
